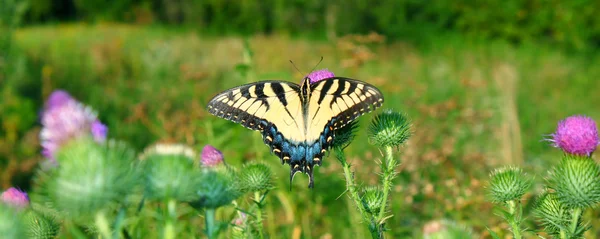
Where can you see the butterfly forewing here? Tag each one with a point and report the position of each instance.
(339, 101)
(266, 102)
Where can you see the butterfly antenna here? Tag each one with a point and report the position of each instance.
(313, 69)
(295, 67)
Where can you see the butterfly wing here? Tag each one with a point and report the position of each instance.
(337, 101)
(272, 107)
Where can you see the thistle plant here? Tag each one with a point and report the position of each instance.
(506, 189)
(572, 186)
(387, 131)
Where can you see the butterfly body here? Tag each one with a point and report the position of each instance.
(297, 122)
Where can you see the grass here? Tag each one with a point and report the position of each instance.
(474, 105)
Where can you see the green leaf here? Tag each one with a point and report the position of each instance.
(492, 233)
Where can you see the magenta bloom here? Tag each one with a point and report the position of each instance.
(15, 197)
(319, 75)
(576, 135)
(63, 119)
(211, 156)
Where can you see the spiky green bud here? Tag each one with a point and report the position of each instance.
(91, 177)
(372, 199)
(552, 214)
(11, 224)
(40, 226)
(576, 181)
(507, 184)
(170, 176)
(217, 187)
(255, 177)
(389, 129)
(345, 135)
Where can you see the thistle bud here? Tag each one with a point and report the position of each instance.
(551, 213)
(372, 199)
(576, 181)
(507, 184)
(40, 226)
(255, 177)
(345, 135)
(90, 177)
(389, 129)
(217, 187)
(169, 172)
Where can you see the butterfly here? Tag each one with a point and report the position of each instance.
(297, 122)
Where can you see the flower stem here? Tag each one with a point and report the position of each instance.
(515, 219)
(259, 217)
(387, 167)
(352, 190)
(211, 228)
(388, 175)
(102, 225)
(575, 220)
(169, 230)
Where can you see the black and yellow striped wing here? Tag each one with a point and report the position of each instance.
(337, 101)
(262, 104)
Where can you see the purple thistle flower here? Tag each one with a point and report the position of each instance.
(576, 135)
(211, 156)
(63, 119)
(15, 197)
(319, 75)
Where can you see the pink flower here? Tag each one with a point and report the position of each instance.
(576, 135)
(239, 221)
(211, 156)
(320, 75)
(15, 197)
(63, 119)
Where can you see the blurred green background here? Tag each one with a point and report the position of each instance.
(483, 82)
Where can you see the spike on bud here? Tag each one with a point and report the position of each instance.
(576, 135)
(507, 184)
(389, 129)
(211, 156)
(576, 182)
(15, 197)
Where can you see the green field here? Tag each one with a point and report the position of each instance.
(475, 106)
